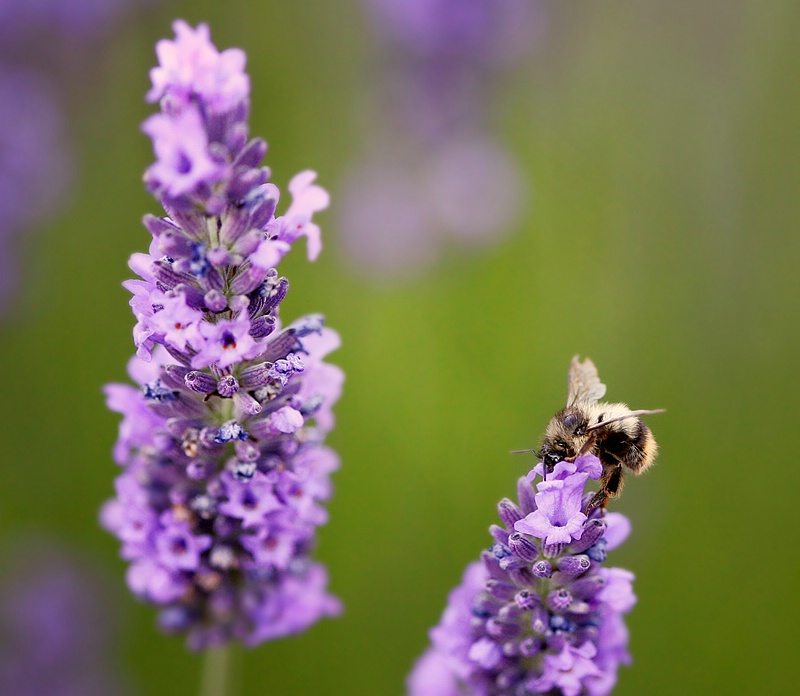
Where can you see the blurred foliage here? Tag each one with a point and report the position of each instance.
(662, 147)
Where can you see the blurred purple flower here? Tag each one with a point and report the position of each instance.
(399, 211)
(444, 53)
(58, 38)
(483, 31)
(55, 627)
(540, 614)
(34, 163)
(436, 175)
(222, 445)
(79, 18)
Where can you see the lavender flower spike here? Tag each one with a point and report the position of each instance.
(225, 471)
(541, 613)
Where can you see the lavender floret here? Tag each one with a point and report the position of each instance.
(540, 614)
(225, 471)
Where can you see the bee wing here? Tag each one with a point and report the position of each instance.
(584, 383)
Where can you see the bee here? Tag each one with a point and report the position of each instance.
(612, 432)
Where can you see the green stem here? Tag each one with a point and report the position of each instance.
(216, 664)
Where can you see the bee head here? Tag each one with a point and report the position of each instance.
(550, 458)
(560, 438)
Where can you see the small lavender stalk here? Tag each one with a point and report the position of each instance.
(216, 664)
(540, 613)
(221, 444)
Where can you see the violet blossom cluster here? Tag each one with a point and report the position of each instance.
(435, 172)
(225, 470)
(540, 613)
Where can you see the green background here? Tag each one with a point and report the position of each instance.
(661, 148)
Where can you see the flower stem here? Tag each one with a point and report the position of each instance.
(215, 672)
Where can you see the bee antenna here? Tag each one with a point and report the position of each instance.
(632, 414)
(526, 451)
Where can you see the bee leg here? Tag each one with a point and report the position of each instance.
(610, 487)
(613, 480)
(600, 499)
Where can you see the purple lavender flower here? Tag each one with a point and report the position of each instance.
(222, 444)
(540, 613)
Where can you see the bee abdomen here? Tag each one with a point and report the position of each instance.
(634, 447)
(641, 450)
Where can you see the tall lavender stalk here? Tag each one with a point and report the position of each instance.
(540, 613)
(222, 441)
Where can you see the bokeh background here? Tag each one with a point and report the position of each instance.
(660, 151)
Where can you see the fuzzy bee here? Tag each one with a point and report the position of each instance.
(612, 432)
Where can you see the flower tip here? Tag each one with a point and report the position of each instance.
(589, 464)
(179, 26)
(618, 528)
(313, 245)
